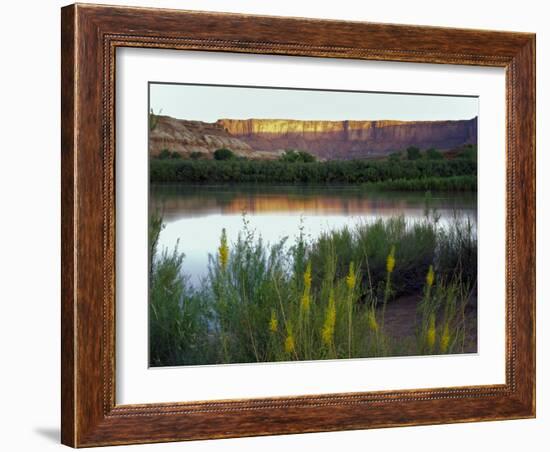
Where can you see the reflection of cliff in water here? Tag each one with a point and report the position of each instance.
(194, 216)
(189, 201)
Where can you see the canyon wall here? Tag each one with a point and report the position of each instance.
(185, 137)
(268, 138)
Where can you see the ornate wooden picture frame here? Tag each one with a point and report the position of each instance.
(90, 37)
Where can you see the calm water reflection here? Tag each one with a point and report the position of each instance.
(195, 215)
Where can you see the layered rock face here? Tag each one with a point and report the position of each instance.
(185, 137)
(351, 139)
(268, 138)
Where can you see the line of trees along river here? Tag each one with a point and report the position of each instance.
(334, 171)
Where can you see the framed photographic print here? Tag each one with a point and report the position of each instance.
(281, 225)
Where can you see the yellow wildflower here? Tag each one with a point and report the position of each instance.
(289, 343)
(330, 320)
(390, 261)
(371, 319)
(351, 279)
(445, 339)
(430, 276)
(273, 322)
(223, 250)
(307, 277)
(305, 301)
(430, 335)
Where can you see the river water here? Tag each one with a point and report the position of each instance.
(194, 216)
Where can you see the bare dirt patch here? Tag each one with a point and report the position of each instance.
(401, 321)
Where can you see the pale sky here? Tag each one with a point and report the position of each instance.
(209, 103)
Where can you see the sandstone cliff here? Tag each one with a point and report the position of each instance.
(268, 138)
(186, 137)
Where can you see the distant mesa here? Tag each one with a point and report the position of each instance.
(327, 140)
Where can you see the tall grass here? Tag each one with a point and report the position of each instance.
(178, 315)
(316, 299)
(442, 328)
(458, 183)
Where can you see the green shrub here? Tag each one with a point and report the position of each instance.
(195, 155)
(468, 152)
(413, 153)
(223, 154)
(179, 317)
(329, 303)
(394, 157)
(164, 154)
(433, 154)
(293, 156)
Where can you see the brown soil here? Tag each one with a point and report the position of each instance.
(401, 321)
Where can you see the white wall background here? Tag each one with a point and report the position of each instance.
(29, 226)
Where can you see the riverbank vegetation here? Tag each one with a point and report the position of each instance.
(453, 183)
(174, 170)
(320, 298)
